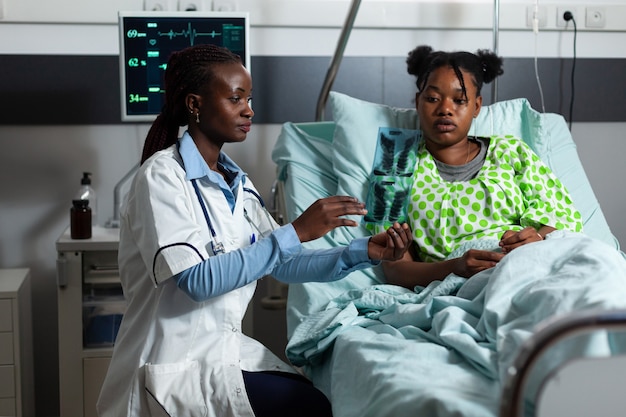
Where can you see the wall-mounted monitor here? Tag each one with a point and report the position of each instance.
(147, 40)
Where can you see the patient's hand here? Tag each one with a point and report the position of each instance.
(391, 244)
(514, 239)
(474, 261)
(326, 214)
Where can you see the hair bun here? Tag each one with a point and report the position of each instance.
(491, 63)
(417, 59)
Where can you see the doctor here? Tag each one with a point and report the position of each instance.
(194, 238)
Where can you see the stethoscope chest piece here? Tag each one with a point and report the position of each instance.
(217, 247)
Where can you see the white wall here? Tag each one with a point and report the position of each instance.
(40, 166)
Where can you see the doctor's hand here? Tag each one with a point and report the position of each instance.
(325, 214)
(391, 244)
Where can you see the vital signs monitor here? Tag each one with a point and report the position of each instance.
(148, 38)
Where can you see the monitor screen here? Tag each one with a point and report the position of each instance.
(148, 38)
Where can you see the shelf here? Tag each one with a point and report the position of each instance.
(102, 277)
(97, 352)
(102, 239)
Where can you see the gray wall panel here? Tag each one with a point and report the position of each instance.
(79, 90)
(288, 88)
(59, 90)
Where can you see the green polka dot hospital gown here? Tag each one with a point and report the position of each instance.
(513, 189)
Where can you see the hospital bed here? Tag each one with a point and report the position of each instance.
(359, 340)
(381, 350)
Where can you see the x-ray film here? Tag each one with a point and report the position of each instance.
(391, 177)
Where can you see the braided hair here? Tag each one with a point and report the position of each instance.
(484, 66)
(188, 71)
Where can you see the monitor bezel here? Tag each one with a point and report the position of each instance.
(125, 117)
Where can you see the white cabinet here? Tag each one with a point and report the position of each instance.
(90, 308)
(16, 344)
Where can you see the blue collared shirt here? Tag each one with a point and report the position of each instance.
(196, 168)
(280, 254)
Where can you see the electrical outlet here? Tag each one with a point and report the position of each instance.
(188, 6)
(159, 5)
(194, 5)
(225, 5)
(560, 20)
(542, 16)
(595, 17)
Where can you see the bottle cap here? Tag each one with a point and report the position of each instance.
(86, 178)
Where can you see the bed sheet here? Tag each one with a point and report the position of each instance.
(445, 351)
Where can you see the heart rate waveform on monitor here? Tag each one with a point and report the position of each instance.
(190, 33)
(148, 42)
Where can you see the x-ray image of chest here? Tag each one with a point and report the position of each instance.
(391, 176)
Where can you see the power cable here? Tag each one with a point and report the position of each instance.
(569, 16)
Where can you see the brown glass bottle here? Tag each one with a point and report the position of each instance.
(80, 219)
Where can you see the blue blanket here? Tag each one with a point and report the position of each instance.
(444, 350)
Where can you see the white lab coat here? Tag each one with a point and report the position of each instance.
(175, 356)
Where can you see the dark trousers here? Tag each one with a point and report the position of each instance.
(280, 394)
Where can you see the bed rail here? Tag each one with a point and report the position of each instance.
(276, 297)
(547, 336)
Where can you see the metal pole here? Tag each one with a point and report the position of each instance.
(334, 66)
(496, 29)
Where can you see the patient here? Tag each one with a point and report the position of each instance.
(474, 199)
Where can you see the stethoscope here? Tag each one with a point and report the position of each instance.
(216, 245)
